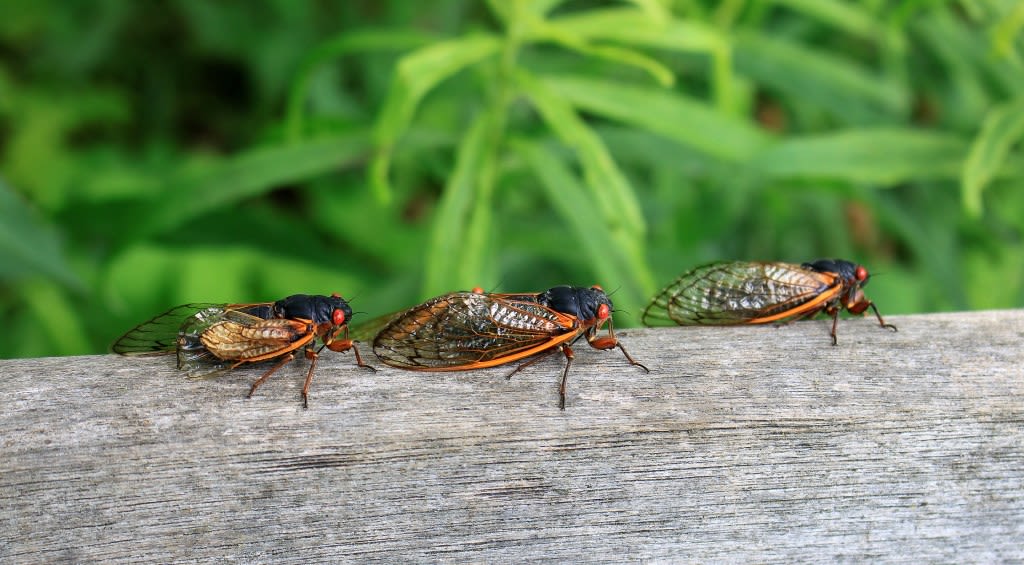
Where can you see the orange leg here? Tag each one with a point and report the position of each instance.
(569, 356)
(565, 374)
(284, 361)
(611, 342)
(313, 356)
(539, 357)
(881, 322)
(835, 322)
(343, 345)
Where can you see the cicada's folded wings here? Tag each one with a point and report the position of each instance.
(465, 330)
(159, 336)
(179, 331)
(741, 292)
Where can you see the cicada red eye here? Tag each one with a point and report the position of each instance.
(478, 290)
(338, 317)
(603, 312)
(597, 287)
(861, 274)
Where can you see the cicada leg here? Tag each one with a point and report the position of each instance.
(569, 356)
(834, 312)
(284, 361)
(538, 357)
(343, 345)
(313, 357)
(881, 322)
(565, 349)
(611, 342)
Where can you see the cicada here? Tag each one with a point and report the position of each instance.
(742, 292)
(210, 339)
(475, 330)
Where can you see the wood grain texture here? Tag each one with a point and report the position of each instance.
(760, 444)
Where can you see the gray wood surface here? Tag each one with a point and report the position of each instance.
(761, 444)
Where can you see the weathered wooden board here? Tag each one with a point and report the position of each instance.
(756, 444)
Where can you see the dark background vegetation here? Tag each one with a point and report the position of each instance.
(161, 152)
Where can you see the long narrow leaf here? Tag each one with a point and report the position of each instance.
(540, 30)
(608, 185)
(885, 156)
(446, 253)
(28, 247)
(839, 85)
(415, 75)
(614, 263)
(196, 192)
(849, 17)
(677, 117)
(345, 44)
(647, 29)
(638, 27)
(1003, 127)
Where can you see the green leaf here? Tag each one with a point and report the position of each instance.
(507, 11)
(657, 31)
(449, 265)
(28, 247)
(1006, 32)
(65, 330)
(415, 75)
(682, 119)
(837, 84)
(541, 30)
(345, 44)
(193, 193)
(640, 27)
(608, 186)
(654, 9)
(616, 262)
(884, 156)
(1002, 128)
(962, 90)
(849, 17)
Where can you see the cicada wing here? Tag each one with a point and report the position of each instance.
(159, 336)
(254, 339)
(741, 292)
(179, 329)
(465, 330)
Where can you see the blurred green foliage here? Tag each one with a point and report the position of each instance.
(157, 153)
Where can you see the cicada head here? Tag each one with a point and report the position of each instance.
(333, 310)
(853, 276)
(586, 304)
